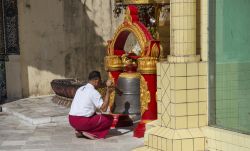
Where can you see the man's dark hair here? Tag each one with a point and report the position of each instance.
(94, 75)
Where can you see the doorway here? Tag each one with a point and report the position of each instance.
(9, 42)
(3, 92)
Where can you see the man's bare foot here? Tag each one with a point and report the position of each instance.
(82, 134)
(79, 135)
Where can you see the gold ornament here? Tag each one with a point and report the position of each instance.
(113, 63)
(102, 91)
(130, 75)
(129, 26)
(144, 96)
(145, 1)
(155, 51)
(112, 95)
(147, 65)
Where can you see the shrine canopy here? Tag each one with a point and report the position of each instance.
(149, 47)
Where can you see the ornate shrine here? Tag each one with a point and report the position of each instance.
(137, 62)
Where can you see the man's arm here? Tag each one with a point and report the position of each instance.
(105, 104)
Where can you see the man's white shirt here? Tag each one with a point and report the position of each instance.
(87, 99)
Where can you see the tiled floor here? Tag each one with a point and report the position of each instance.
(17, 134)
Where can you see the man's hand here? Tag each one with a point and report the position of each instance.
(109, 83)
(110, 87)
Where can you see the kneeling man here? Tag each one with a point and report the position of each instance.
(82, 115)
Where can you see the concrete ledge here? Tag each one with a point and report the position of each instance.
(37, 110)
(220, 139)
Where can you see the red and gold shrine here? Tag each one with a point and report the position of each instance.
(133, 71)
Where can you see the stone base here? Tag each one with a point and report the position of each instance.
(166, 139)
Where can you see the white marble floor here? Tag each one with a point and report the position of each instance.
(24, 126)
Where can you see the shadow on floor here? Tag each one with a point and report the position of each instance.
(121, 130)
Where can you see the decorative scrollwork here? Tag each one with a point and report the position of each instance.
(112, 95)
(113, 63)
(145, 95)
(133, 29)
(155, 51)
(147, 65)
(138, 30)
(148, 12)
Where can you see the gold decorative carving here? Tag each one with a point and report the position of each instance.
(129, 26)
(108, 51)
(130, 75)
(147, 65)
(127, 61)
(113, 63)
(155, 51)
(145, 95)
(102, 91)
(162, 57)
(133, 28)
(112, 95)
(146, 1)
(127, 16)
(138, 1)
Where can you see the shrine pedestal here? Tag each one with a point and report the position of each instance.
(140, 129)
(120, 60)
(121, 120)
